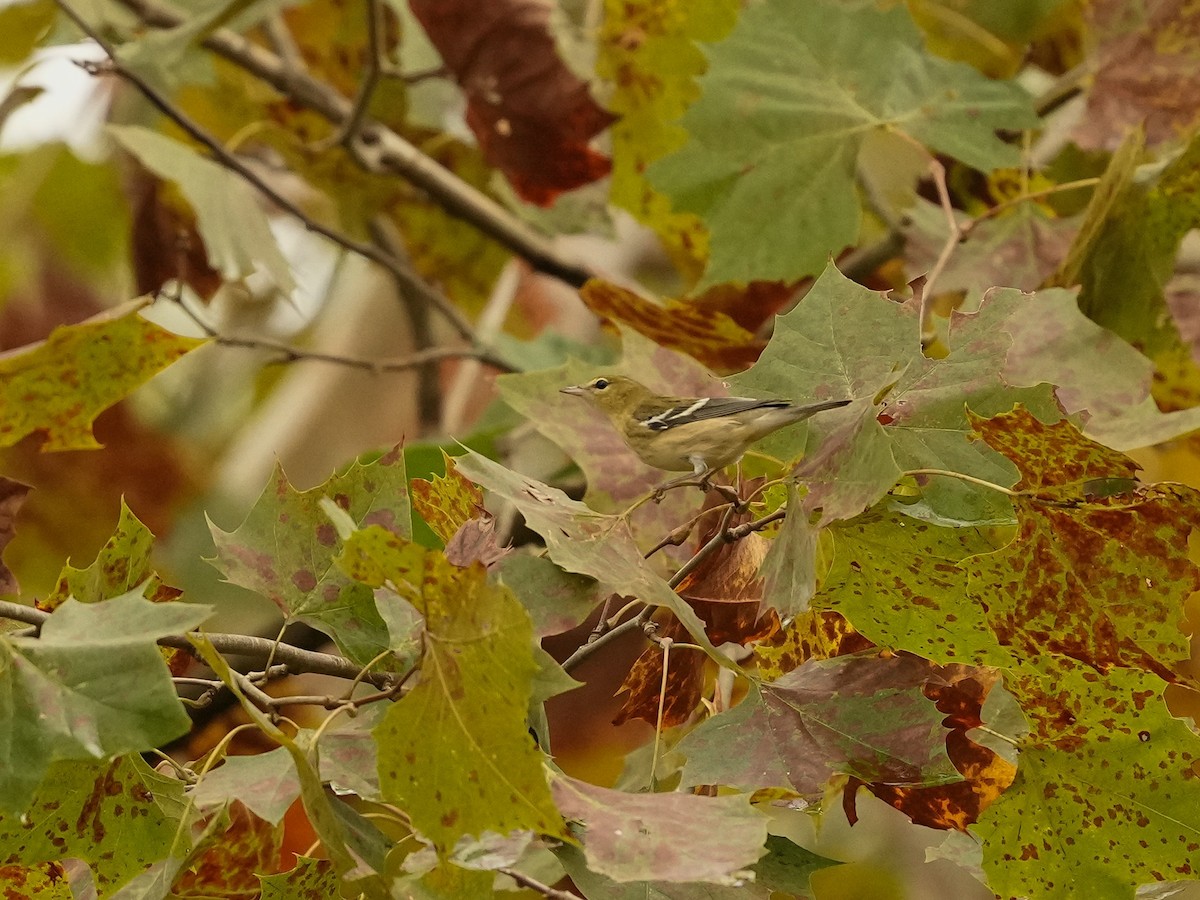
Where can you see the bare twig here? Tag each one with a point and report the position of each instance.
(938, 171)
(291, 354)
(410, 279)
(380, 149)
(297, 659)
(637, 623)
(534, 885)
(346, 131)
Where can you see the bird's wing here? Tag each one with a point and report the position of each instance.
(685, 411)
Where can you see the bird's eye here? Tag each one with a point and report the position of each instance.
(600, 384)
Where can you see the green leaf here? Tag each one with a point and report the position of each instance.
(455, 753)
(122, 564)
(45, 882)
(22, 25)
(582, 540)
(802, 84)
(265, 782)
(101, 360)
(666, 836)
(119, 817)
(862, 716)
(846, 341)
(93, 685)
(899, 582)
(1106, 796)
(228, 211)
(556, 600)
(310, 879)
(285, 551)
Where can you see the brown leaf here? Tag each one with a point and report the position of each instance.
(12, 495)
(960, 695)
(165, 243)
(703, 332)
(532, 116)
(230, 866)
(475, 542)
(1149, 72)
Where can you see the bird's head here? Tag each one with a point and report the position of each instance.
(612, 393)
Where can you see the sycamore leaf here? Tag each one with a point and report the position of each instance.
(122, 564)
(99, 362)
(1147, 73)
(12, 495)
(898, 580)
(47, 881)
(92, 685)
(863, 716)
(960, 696)
(265, 782)
(663, 837)
(310, 879)
(228, 213)
(239, 845)
(1103, 580)
(846, 341)
(448, 502)
(786, 103)
(119, 817)
(647, 49)
(704, 333)
(785, 867)
(815, 634)
(582, 540)
(285, 550)
(1106, 795)
(555, 599)
(455, 753)
(531, 114)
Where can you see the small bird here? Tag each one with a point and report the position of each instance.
(698, 435)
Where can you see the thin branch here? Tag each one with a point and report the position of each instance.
(946, 473)
(635, 624)
(534, 885)
(381, 150)
(410, 279)
(346, 132)
(291, 354)
(296, 659)
(966, 228)
(939, 180)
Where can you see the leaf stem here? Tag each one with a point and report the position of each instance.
(969, 478)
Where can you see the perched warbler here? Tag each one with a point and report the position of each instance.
(700, 435)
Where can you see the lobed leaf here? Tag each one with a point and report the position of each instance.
(92, 686)
(804, 84)
(285, 550)
(101, 361)
(455, 753)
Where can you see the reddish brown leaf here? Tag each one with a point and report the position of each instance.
(685, 683)
(1149, 72)
(532, 116)
(987, 775)
(704, 332)
(448, 502)
(12, 495)
(165, 243)
(475, 542)
(229, 868)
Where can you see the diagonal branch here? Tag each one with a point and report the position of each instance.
(380, 149)
(297, 659)
(401, 273)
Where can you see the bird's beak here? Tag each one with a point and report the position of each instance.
(575, 390)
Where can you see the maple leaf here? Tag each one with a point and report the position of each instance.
(1101, 579)
(101, 360)
(800, 132)
(648, 50)
(663, 837)
(863, 716)
(1146, 68)
(285, 550)
(532, 116)
(1106, 795)
(448, 502)
(702, 332)
(455, 753)
(959, 693)
(12, 495)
